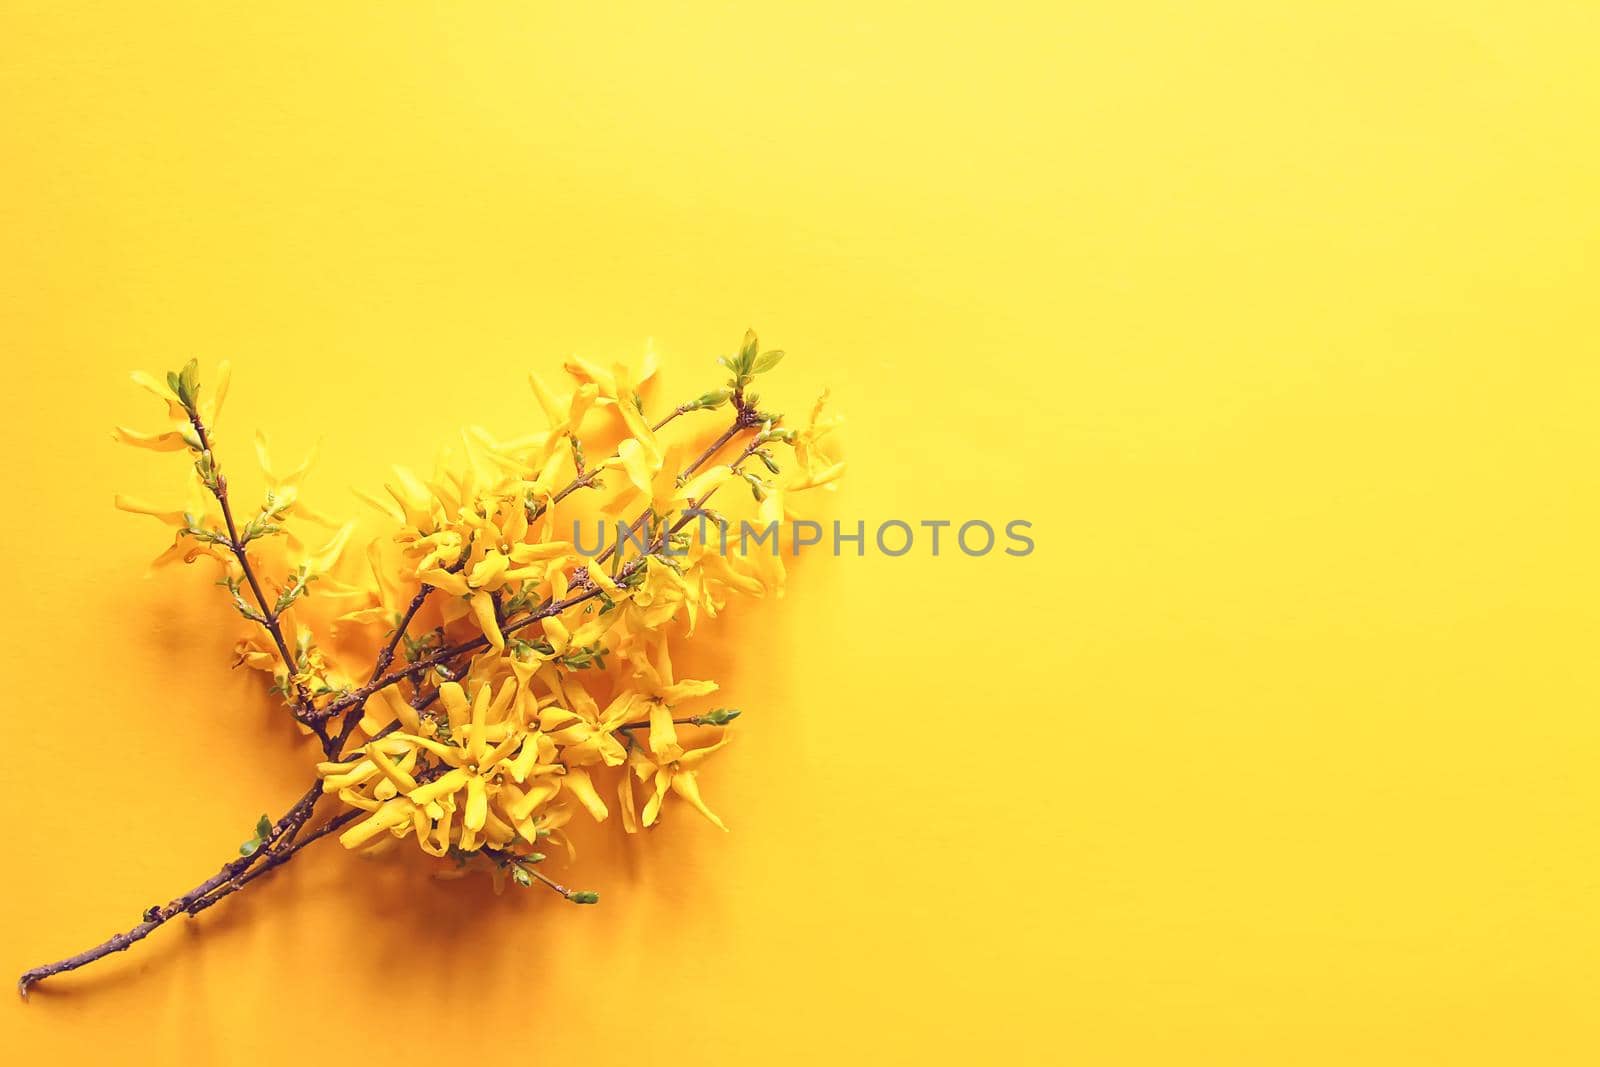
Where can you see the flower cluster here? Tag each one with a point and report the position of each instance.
(474, 681)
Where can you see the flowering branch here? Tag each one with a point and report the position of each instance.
(509, 741)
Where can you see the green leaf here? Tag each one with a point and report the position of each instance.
(185, 384)
(766, 361)
(263, 828)
(250, 846)
(747, 354)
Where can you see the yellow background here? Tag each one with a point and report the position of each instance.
(1276, 319)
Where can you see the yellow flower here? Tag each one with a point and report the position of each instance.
(668, 768)
(813, 450)
(384, 597)
(199, 511)
(653, 676)
(586, 734)
(283, 490)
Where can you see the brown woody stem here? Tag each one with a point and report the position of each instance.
(281, 845)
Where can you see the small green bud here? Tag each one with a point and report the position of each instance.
(263, 828)
(521, 877)
(706, 401)
(585, 896)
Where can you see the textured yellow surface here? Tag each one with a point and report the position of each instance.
(1277, 320)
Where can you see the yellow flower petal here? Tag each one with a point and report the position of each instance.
(443, 786)
(641, 472)
(581, 786)
(477, 811)
(172, 517)
(683, 784)
(400, 779)
(630, 815)
(489, 571)
(444, 581)
(822, 477)
(171, 441)
(554, 410)
(219, 389)
(703, 484)
(663, 735)
(456, 704)
(483, 611)
(392, 814)
(556, 632)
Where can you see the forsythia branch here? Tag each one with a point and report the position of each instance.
(538, 675)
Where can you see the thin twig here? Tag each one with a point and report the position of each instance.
(269, 616)
(280, 844)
